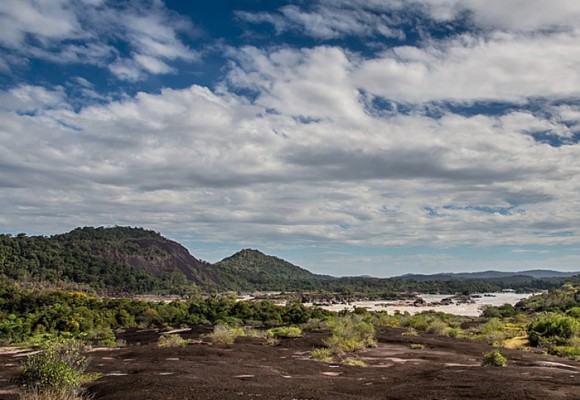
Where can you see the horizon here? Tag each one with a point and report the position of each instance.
(268, 254)
(347, 137)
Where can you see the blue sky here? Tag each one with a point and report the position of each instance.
(349, 137)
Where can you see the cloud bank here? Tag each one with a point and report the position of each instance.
(468, 139)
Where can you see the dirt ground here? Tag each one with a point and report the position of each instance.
(445, 369)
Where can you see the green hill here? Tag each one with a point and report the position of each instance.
(113, 260)
(251, 269)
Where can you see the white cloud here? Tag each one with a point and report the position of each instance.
(68, 31)
(502, 67)
(331, 19)
(193, 160)
(528, 15)
(326, 22)
(48, 19)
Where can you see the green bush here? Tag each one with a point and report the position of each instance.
(322, 354)
(494, 358)
(571, 352)
(353, 362)
(58, 369)
(225, 335)
(171, 340)
(553, 330)
(573, 312)
(351, 333)
(285, 332)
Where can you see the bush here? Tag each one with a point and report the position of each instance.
(574, 312)
(410, 332)
(552, 330)
(169, 340)
(58, 370)
(351, 333)
(353, 362)
(494, 358)
(285, 332)
(322, 354)
(225, 335)
(571, 352)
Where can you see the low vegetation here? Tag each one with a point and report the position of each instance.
(225, 335)
(172, 340)
(494, 359)
(57, 372)
(285, 332)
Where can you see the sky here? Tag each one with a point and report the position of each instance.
(358, 137)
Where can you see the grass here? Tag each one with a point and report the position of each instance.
(417, 346)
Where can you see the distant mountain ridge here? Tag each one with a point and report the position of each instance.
(117, 260)
(485, 275)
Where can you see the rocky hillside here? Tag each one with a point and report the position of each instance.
(118, 259)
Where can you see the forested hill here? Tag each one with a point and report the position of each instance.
(251, 269)
(124, 260)
(114, 260)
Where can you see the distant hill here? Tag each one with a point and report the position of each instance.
(251, 269)
(117, 259)
(126, 260)
(493, 275)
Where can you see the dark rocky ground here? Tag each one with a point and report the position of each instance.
(445, 369)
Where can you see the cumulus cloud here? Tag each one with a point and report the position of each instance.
(197, 159)
(302, 146)
(87, 32)
(503, 67)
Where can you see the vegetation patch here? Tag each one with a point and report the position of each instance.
(353, 362)
(172, 340)
(225, 335)
(494, 359)
(322, 354)
(56, 372)
(285, 332)
(351, 333)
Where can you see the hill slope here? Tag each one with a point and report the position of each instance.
(119, 259)
(251, 269)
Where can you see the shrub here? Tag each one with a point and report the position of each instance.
(553, 329)
(574, 312)
(322, 354)
(571, 352)
(353, 362)
(285, 332)
(225, 335)
(384, 320)
(169, 340)
(494, 358)
(437, 327)
(351, 333)
(58, 370)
